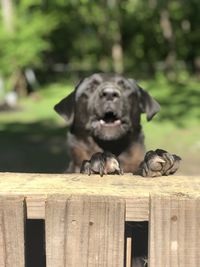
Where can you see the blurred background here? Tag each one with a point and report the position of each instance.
(47, 46)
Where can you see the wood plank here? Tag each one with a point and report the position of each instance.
(12, 232)
(55, 231)
(174, 231)
(35, 206)
(137, 208)
(128, 252)
(134, 190)
(85, 231)
(124, 186)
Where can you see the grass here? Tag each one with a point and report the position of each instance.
(39, 106)
(33, 139)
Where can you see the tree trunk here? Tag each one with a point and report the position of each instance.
(117, 56)
(17, 78)
(168, 34)
(7, 14)
(116, 38)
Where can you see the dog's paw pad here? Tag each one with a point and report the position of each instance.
(158, 163)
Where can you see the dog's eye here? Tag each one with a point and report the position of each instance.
(84, 95)
(121, 82)
(124, 86)
(95, 82)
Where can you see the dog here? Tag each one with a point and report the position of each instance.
(104, 114)
(105, 134)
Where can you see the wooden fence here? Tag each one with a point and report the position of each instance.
(85, 218)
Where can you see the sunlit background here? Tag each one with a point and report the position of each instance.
(46, 46)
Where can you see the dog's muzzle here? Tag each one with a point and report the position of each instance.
(110, 93)
(108, 110)
(109, 123)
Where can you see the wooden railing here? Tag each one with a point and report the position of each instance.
(85, 218)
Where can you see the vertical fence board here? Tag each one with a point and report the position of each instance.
(12, 251)
(128, 252)
(174, 231)
(85, 231)
(55, 231)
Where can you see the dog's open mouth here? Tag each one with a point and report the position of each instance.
(109, 126)
(110, 119)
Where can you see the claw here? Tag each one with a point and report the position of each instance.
(158, 159)
(158, 163)
(176, 157)
(102, 163)
(85, 167)
(170, 158)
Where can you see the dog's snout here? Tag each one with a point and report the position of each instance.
(110, 93)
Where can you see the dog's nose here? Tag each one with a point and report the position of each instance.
(110, 93)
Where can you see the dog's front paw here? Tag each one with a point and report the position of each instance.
(158, 163)
(101, 163)
(85, 167)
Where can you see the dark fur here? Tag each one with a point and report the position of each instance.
(102, 163)
(103, 113)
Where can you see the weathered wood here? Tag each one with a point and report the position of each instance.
(12, 232)
(55, 231)
(85, 231)
(35, 206)
(128, 252)
(134, 190)
(174, 231)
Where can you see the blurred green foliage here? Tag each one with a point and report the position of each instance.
(179, 99)
(131, 36)
(154, 39)
(22, 45)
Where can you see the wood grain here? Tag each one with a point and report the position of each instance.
(12, 232)
(128, 252)
(174, 231)
(135, 190)
(85, 231)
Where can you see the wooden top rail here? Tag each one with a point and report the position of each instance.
(135, 190)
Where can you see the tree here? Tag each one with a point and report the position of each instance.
(23, 38)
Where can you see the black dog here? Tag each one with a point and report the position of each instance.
(103, 113)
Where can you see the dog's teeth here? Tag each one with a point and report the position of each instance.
(117, 122)
(102, 122)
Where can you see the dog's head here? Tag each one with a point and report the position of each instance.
(106, 106)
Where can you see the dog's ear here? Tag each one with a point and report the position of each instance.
(147, 103)
(65, 108)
